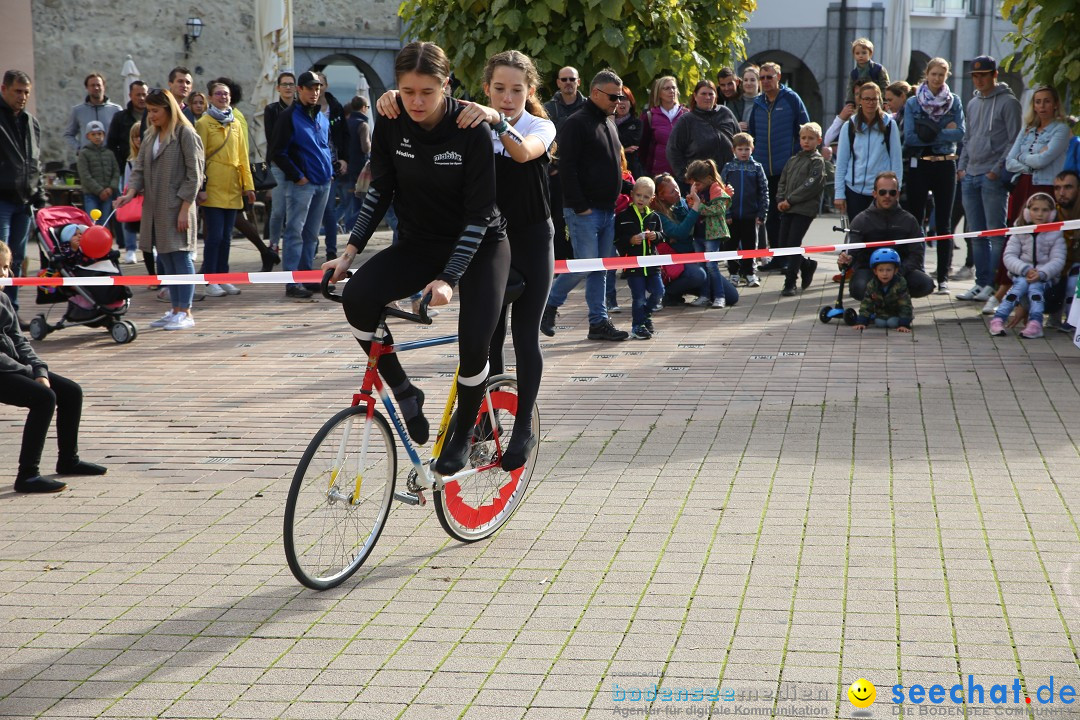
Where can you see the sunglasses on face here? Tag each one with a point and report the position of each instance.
(614, 98)
(569, 79)
(768, 77)
(890, 192)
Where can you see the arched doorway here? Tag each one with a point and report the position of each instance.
(797, 76)
(348, 75)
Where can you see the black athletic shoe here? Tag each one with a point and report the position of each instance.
(788, 291)
(547, 322)
(298, 291)
(604, 330)
(38, 484)
(80, 467)
(807, 272)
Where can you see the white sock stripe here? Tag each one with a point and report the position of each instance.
(362, 334)
(474, 380)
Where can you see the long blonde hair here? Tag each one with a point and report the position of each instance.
(164, 99)
(1031, 120)
(654, 91)
(135, 133)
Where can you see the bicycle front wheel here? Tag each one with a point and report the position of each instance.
(340, 498)
(474, 507)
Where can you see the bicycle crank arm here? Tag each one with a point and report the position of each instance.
(410, 499)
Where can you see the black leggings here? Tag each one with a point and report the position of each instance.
(792, 231)
(65, 397)
(531, 254)
(406, 268)
(940, 179)
(743, 237)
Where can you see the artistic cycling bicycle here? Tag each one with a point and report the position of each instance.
(344, 486)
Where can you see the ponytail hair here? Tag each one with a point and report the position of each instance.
(518, 61)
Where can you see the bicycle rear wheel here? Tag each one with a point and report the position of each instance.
(474, 507)
(339, 498)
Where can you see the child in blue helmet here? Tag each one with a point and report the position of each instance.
(887, 303)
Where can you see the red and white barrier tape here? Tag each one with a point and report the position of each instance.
(561, 266)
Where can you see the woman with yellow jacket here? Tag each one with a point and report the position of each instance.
(228, 180)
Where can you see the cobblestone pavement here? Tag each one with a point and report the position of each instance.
(753, 501)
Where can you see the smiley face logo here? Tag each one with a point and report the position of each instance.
(862, 693)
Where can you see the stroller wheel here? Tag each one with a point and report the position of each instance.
(123, 332)
(39, 328)
(850, 316)
(823, 314)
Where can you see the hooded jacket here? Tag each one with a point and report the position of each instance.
(775, 129)
(992, 123)
(802, 183)
(301, 144)
(20, 152)
(81, 114)
(98, 170)
(747, 179)
(876, 225)
(558, 111)
(1043, 251)
(700, 135)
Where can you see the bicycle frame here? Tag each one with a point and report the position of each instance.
(373, 385)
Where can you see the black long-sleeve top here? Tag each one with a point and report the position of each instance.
(589, 161)
(442, 184)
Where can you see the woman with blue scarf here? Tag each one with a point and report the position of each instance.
(228, 180)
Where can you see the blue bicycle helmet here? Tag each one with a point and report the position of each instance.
(884, 255)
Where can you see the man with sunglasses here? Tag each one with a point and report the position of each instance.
(886, 220)
(566, 101)
(590, 167)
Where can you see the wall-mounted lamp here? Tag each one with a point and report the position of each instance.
(194, 30)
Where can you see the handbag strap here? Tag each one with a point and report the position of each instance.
(224, 142)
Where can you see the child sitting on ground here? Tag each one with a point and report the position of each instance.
(887, 303)
(749, 205)
(25, 381)
(637, 232)
(1033, 260)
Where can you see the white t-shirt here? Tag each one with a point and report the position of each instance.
(528, 125)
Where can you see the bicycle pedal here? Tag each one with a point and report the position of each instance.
(421, 497)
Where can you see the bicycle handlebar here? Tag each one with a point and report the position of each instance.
(421, 318)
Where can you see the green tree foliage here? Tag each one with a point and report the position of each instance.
(1046, 43)
(639, 39)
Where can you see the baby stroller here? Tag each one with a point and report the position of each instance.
(92, 306)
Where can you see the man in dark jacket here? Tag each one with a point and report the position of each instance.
(286, 88)
(564, 103)
(119, 135)
(301, 148)
(340, 189)
(21, 183)
(590, 166)
(886, 220)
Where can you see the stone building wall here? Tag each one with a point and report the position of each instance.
(75, 37)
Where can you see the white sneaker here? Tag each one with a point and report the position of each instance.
(230, 289)
(991, 305)
(972, 294)
(943, 288)
(213, 290)
(129, 257)
(985, 293)
(163, 320)
(964, 273)
(753, 281)
(181, 321)
(719, 303)
(700, 302)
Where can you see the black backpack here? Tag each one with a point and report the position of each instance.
(851, 140)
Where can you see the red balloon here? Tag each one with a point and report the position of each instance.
(96, 242)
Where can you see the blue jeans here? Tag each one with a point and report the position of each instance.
(646, 292)
(692, 280)
(712, 269)
(985, 203)
(14, 230)
(178, 263)
(277, 206)
(304, 206)
(1036, 293)
(332, 214)
(217, 227)
(131, 237)
(887, 322)
(91, 201)
(591, 236)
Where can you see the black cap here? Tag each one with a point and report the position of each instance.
(307, 79)
(983, 63)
